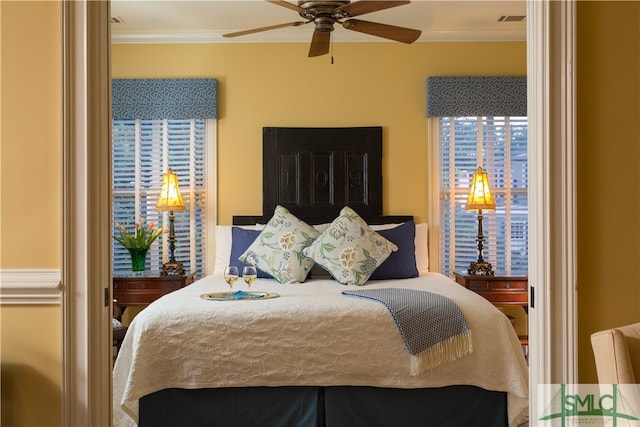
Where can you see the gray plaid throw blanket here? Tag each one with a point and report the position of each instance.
(433, 328)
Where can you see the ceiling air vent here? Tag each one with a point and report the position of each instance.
(511, 18)
(117, 20)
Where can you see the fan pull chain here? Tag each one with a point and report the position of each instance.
(331, 50)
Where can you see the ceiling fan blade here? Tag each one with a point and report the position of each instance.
(287, 5)
(320, 43)
(365, 6)
(270, 27)
(400, 34)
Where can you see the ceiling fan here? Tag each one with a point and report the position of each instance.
(326, 13)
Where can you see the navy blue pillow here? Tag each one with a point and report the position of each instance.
(401, 264)
(241, 239)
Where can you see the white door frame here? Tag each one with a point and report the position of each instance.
(86, 269)
(552, 192)
(86, 214)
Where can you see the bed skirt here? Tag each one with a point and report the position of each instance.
(338, 406)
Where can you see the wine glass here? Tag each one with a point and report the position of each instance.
(249, 274)
(231, 275)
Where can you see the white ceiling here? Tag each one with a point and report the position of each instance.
(164, 21)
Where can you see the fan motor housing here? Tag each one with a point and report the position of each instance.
(322, 11)
(324, 24)
(331, 3)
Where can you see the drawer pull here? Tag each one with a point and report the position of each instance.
(508, 285)
(143, 286)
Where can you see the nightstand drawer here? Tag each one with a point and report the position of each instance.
(505, 298)
(145, 297)
(149, 284)
(505, 285)
(497, 285)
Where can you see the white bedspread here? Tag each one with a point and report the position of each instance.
(311, 335)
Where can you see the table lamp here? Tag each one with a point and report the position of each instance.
(480, 198)
(170, 200)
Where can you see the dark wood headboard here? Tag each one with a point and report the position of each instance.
(315, 172)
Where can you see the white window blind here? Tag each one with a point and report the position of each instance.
(499, 145)
(143, 150)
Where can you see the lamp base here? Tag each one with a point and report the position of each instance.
(480, 269)
(172, 269)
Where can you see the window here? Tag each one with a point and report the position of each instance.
(160, 124)
(499, 145)
(143, 150)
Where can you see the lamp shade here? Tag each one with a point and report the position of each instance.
(480, 194)
(170, 198)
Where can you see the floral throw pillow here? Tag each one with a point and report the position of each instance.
(278, 248)
(349, 249)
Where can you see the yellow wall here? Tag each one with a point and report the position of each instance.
(31, 126)
(31, 371)
(30, 194)
(277, 85)
(608, 132)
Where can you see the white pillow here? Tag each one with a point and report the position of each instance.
(378, 227)
(422, 248)
(223, 242)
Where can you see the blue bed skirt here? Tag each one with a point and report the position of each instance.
(343, 406)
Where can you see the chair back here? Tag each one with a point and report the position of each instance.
(617, 354)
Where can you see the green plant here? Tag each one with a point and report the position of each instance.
(141, 238)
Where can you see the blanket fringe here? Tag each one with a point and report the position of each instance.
(448, 350)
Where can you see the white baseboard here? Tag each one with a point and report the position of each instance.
(21, 286)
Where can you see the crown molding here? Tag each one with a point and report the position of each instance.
(297, 36)
(23, 286)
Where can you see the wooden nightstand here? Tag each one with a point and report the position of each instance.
(133, 289)
(499, 290)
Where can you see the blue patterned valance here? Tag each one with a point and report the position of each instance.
(476, 96)
(164, 98)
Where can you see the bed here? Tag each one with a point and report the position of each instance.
(320, 353)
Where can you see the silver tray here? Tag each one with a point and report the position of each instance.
(239, 296)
